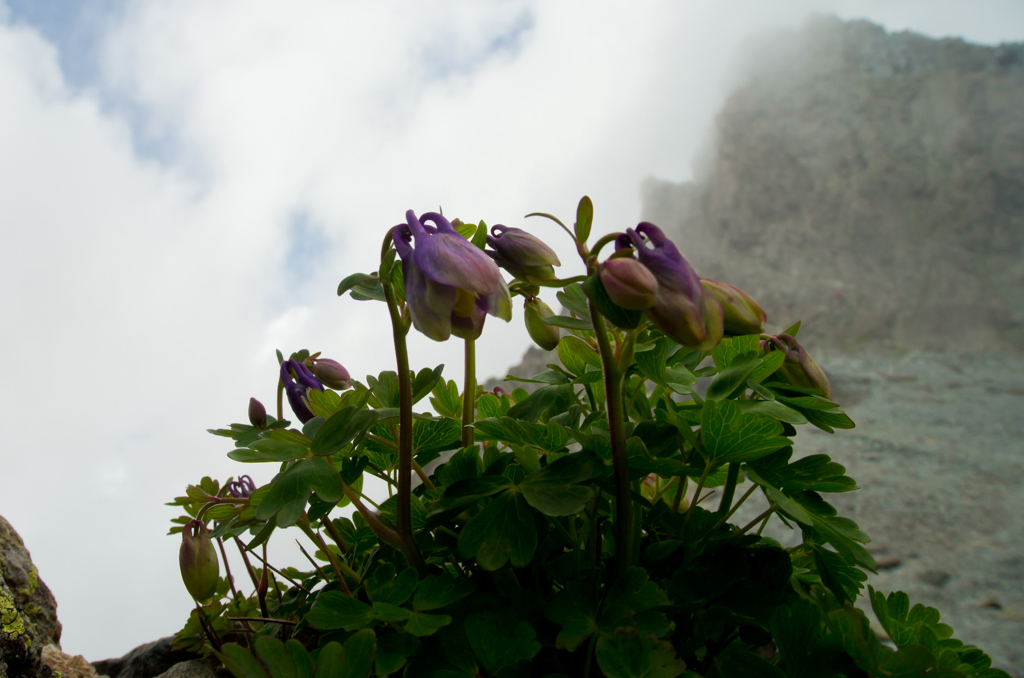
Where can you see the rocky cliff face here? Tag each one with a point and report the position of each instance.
(870, 184)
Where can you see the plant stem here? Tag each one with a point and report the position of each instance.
(424, 478)
(207, 629)
(248, 565)
(737, 506)
(332, 558)
(730, 488)
(679, 496)
(404, 517)
(335, 534)
(264, 620)
(287, 578)
(227, 567)
(469, 394)
(620, 460)
(280, 399)
(767, 514)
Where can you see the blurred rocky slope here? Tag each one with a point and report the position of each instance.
(867, 183)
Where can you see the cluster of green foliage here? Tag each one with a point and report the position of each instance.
(523, 563)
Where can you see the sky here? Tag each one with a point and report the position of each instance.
(183, 184)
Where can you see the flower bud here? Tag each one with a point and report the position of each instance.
(257, 413)
(522, 254)
(296, 389)
(629, 283)
(332, 374)
(197, 559)
(544, 335)
(799, 369)
(682, 309)
(741, 312)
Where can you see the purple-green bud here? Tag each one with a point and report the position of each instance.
(257, 413)
(629, 283)
(197, 559)
(544, 335)
(522, 254)
(799, 369)
(332, 374)
(742, 314)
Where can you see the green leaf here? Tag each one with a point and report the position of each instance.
(504, 530)
(480, 236)
(393, 650)
(388, 613)
(466, 463)
(538, 402)
(382, 586)
(419, 512)
(815, 472)
(489, 405)
(730, 347)
(328, 662)
(770, 363)
(630, 596)
(737, 660)
(426, 624)
(679, 379)
(842, 533)
(555, 490)
(424, 382)
(469, 491)
(435, 435)
(573, 298)
(287, 497)
(284, 660)
(269, 449)
(795, 630)
(653, 363)
(733, 435)
(576, 354)
(569, 323)
(438, 591)
(575, 609)
(732, 377)
(358, 656)
(335, 610)
(446, 401)
(341, 428)
(618, 316)
(584, 219)
(240, 662)
(772, 409)
(357, 280)
(630, 654)
(498, 640)
(384, 388)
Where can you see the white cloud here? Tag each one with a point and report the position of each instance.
(143, 298)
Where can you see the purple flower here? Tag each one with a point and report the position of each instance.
(682, 309)
(522, 254)
(241, 488)
(450, 284)
(629, 283)
(296, 389)
(332, 374)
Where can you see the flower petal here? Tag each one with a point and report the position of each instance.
(430, 303)
(452, 260)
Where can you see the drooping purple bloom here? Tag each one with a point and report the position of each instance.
(522, 254)
(629, 283)
(296, 388)
(450, 284)
(241, 488)
(682, 309)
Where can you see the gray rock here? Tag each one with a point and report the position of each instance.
(19, 655)
(31, 595)
(870, 184)
(146, 661)
(194, 668)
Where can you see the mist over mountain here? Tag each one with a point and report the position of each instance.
(870, 184)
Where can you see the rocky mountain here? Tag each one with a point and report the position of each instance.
(868, 183)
